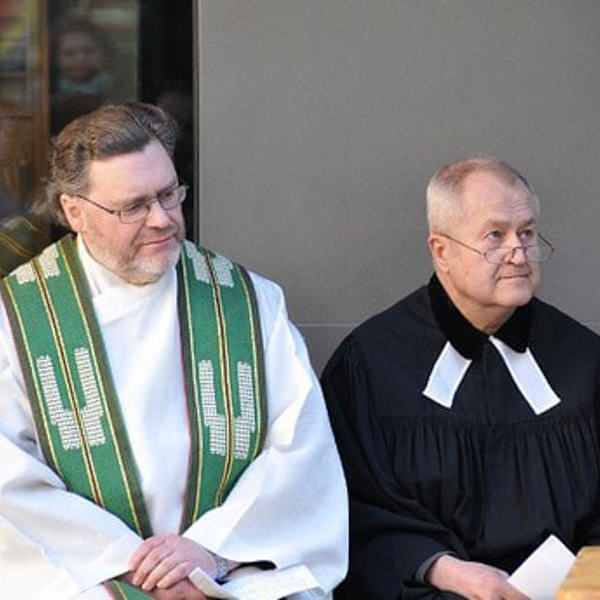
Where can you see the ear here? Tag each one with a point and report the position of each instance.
(439, 248)
(73, 213)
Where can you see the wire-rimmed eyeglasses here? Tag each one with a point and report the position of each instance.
(537, 252)
(139, 210)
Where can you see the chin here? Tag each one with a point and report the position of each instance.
(155, 267)
(518, 297)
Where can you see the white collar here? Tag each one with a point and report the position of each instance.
(450, 368)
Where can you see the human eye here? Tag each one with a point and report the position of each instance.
(528, 235)
(169, 198)
(132, 211)
(494, 236)
(167, 195)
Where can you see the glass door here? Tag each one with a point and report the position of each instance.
(60, 59)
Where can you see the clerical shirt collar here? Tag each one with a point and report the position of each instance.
(466, 338)
(465, 344)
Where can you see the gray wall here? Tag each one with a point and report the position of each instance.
(321, 122)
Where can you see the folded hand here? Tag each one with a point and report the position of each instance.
(472, 580)
(165, 560)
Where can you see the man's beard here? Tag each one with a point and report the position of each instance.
(155, 267)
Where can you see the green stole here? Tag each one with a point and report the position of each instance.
(75, 404)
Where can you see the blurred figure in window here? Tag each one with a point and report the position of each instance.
(82, 58)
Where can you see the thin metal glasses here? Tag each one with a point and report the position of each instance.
(537, 252)
(140, 209)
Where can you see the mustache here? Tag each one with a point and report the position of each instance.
(176, 231)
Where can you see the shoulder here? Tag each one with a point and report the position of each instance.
(409, 313)
(402, 339)
(568, 354)
(270, 290)
(270, 298)
(402, 325)
(269, 295)
(21, 238)
(563, 346)
(553, 325)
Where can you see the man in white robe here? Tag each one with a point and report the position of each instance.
(287, 509)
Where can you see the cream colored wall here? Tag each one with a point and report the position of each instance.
(321, 122)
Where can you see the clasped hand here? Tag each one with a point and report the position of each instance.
(162, 564)
(472, 580)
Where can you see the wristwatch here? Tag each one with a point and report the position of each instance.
(222, 565)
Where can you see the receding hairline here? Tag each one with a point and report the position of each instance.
(448, 182)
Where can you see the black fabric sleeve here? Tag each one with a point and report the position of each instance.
(588, 533)
(425, 566)
(391, 533)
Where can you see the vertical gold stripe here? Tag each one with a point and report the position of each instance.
(113, 586)
(35, 381)
(257, 389)
(100, 381)
(225, 379)
(59, 342)
(194, 382)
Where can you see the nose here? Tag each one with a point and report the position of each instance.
(518, 256)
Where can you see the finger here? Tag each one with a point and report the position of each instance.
(175, 575)
(152, 560)
(142, 551)
(517, 595)
(510, 592)
(183, 590)
(156, 574)
(192, 592)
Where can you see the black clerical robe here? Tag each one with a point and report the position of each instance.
(487, 478)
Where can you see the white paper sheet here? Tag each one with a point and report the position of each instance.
(247, 584)
(542, 573)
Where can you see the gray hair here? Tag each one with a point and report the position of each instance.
(447, 183)
(109, 131)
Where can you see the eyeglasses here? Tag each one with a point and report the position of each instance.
(139, 210)
(537, 252)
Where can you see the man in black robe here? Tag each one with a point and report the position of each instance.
(466, 414)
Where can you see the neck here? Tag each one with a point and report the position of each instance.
(486, 319)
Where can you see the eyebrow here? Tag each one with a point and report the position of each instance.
(504, 223)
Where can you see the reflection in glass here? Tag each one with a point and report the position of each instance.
(60, 59)
(93, 56)
(22, 102)
(81, 61)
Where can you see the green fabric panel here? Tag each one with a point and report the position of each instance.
(123, 591)
(241, 353)
(52, 317)
(221, 315)
(203, 346)
(122, 495)
(40, 356)
(87, 438)
(259, 366)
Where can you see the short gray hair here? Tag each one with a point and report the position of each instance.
(447, 183)
(111, 130)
